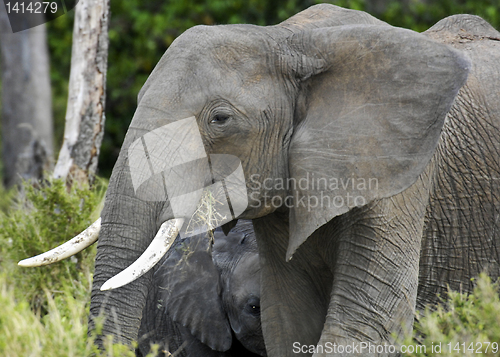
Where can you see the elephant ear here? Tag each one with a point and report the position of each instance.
(372, 103)
(190, 290)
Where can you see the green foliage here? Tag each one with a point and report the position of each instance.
(463, 325)
(41, 219)
(419, 15)
(6, 198)
(59, 38)
(62, 332)
(44, 311)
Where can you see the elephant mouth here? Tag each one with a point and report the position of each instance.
(160, 245)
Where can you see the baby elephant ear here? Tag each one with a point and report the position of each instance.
(372, 105)
(190, 290)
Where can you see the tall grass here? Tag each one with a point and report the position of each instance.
(40, 219)
(43, 311)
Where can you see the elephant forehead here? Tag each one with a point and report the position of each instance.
(247, 275)
(217, 55)
(232, 44)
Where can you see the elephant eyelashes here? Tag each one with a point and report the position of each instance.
(220, 119)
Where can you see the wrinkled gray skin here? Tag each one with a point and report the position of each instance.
(332, 93)
(210, 294)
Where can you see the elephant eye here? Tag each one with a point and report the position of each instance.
(220, 119)
(253, 306)
(255, 309)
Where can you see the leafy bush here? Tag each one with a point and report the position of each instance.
(39, 220)
(463, 325)
(43, 311)
(61, 332)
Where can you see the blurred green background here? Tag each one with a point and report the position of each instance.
(140, 32)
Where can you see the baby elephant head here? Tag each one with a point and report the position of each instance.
(206, 299)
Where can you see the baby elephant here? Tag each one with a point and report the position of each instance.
(206, 298)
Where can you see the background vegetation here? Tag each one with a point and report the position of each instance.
(464, 325)
(141, 31)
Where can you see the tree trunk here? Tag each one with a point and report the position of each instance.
(27, 129)
(87, 87)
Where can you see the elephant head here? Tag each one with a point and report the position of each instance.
(297, 126)
(205, 300)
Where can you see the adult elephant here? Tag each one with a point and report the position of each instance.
(358, 162)
(204, 297)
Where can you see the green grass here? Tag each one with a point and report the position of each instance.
(43, 311)
(40, 219)
(61, 331)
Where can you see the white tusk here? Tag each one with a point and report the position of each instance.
(157, 249)
(66, 250)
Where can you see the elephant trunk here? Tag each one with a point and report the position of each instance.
(127, 228)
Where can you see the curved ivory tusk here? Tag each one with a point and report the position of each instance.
(157, 249)
(66, 250)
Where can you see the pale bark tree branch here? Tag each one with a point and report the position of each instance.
(86, 95)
